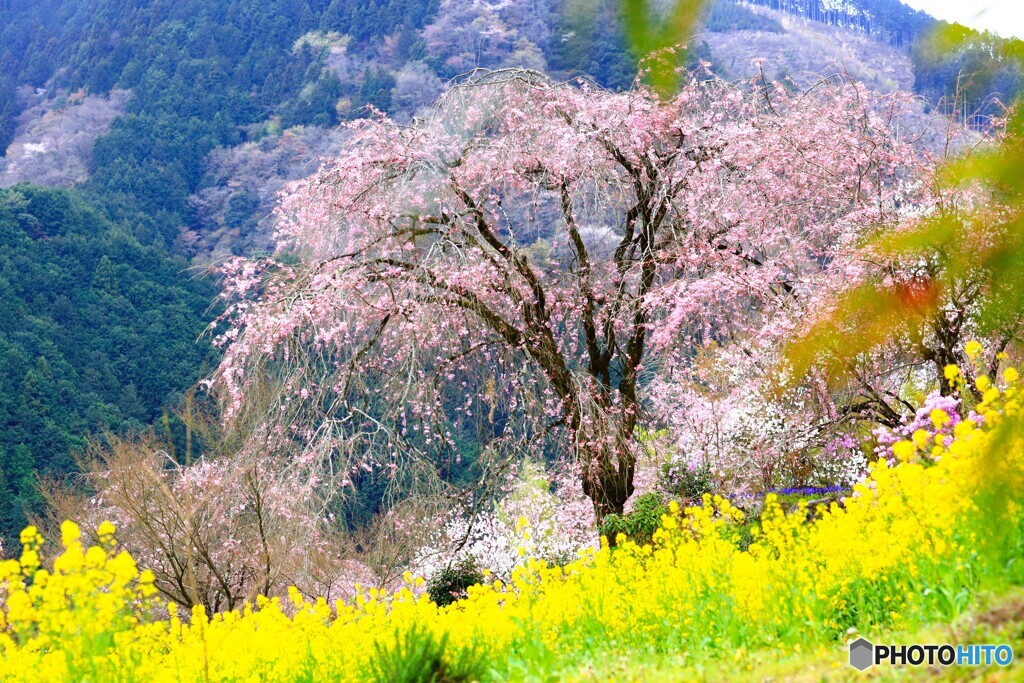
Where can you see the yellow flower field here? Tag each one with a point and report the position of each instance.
(910, 546)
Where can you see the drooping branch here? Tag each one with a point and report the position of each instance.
(651, 217)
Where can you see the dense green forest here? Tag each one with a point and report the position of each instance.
(100, 318)
(97, 331)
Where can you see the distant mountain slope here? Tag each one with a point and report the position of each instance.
(805, 50)
(200, 72)
(54, 144)
(886, 21)
(209, 74)
(973, 74)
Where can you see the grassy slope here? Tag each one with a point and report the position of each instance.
(995, 619)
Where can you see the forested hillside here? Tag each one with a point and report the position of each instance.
(200, 74)
(978, 70)
(97, 333)
(101, 312)
(204, 76)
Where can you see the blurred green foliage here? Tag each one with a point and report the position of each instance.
(656, 33)
(879, 310)
(419, 656)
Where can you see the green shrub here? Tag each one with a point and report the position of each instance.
(640, 524)
(450, 584)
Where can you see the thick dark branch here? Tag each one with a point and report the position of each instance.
(635, 345)
(885, 413)
(874, 410)
(538, 337)
(509, 254)
(500, 264)
(598, 360)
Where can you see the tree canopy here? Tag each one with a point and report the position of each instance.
(522, 261)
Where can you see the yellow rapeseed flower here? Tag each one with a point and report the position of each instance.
(939, 417)
(904, 450)
(30, 535)
(69, 533)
